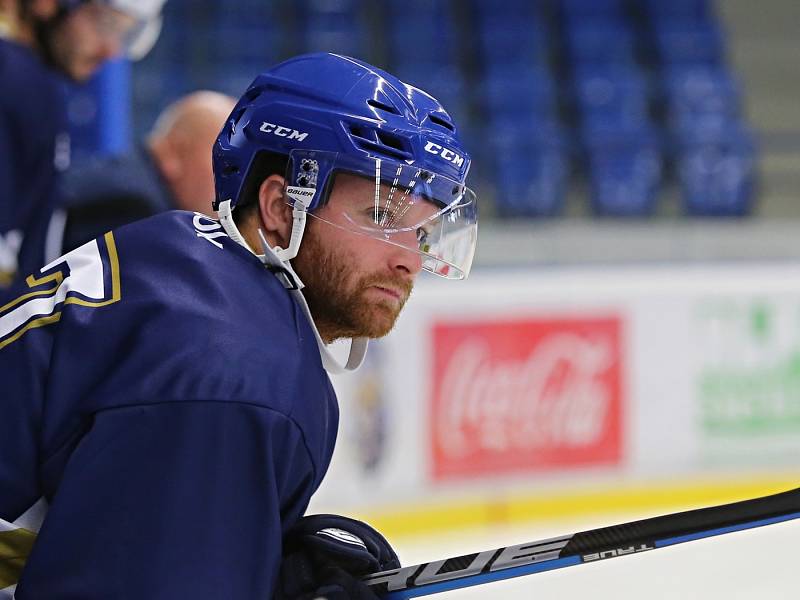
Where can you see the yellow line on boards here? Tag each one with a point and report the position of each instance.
(652, 498)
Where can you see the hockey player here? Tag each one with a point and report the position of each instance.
(46, 40)
(165, 386)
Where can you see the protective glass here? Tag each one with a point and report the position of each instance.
(134, 31)
(400, 204)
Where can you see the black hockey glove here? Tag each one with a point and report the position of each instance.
(325, 556)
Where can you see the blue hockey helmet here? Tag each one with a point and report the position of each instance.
(331, 115)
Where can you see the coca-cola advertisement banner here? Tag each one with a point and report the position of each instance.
(526, 395)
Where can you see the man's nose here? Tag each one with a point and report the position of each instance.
(405, 260)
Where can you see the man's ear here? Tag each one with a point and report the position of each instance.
(275, 212)
(169, 159)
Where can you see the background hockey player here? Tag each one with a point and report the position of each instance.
(165, 386)
(169, 169)
(45, 41)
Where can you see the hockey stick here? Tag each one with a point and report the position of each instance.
(587, 546)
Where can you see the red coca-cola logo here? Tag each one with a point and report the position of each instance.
(525, 395)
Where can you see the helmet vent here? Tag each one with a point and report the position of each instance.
(437, 120)
(383, 106)
(380, 142)
(233, 119)
(387, 139)
(362, 132)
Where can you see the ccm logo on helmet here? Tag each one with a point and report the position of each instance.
(282, 131)
(446, 154)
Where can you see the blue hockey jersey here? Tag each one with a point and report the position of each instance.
(34, 149)
(165, 393)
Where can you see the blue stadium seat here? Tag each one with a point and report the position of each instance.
(718, 179)
(253, 46)
(339, 42)
(320, 37)
(234, 81)
(600, 42)
(700, 90)
(513, 43)
(693, 129)
(678, 10)
(410, 15)
(411, 8)
(420, 31)
(508, 89)
(169, 81)
(530, 155)
(506, 133)
(324, 6)
(575, 10)
(242, 12)
(531, 183)
(684, 42)
(421, 41)
(609, 132)
(510, 10)
(331, 26)
(611, 90)
(624, 182)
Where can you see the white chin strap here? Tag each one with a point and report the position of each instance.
(277, 260)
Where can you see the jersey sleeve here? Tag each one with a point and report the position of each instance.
(22, 382)
(173, 500)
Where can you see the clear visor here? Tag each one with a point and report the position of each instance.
(135, 31)
(142, 38)
(397, 203)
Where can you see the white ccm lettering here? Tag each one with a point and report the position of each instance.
(209, 230)
(282, 131)
(445, 153)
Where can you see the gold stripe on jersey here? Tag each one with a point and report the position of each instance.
(33, 282)
(57, 279)
(15, 546)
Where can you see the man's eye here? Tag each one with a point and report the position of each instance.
(422, 236)
(383, 215)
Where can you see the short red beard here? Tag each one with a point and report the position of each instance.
(336, 297)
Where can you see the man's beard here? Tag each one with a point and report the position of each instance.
(337, 299)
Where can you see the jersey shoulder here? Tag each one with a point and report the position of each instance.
(211, 310)
(173, 279)
(187, 248)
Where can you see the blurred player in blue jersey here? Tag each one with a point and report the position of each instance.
(44, 41)
(170, 169)
(165, 387)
